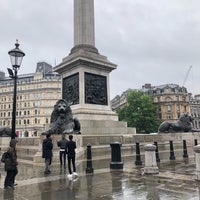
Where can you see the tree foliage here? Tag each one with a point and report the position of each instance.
(140, 112)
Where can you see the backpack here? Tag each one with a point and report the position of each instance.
(4, 157)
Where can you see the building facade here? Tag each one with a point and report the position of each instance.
(119, 101)
(171, 100)
(195, 111)
(37, 94)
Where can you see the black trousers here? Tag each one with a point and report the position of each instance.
(71, 159)
(10, 177)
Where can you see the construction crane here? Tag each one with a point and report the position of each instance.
(187, 75)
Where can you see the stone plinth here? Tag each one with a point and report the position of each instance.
(150, 160)
(74, 69)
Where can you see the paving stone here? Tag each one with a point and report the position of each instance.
(175, 181)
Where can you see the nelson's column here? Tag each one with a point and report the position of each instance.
(85, 75)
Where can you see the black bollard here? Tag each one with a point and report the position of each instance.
(89, 168)
(116, 162)
(185, 154)
(157, 153)
(138, 158)
(195, 142)
(172, 157)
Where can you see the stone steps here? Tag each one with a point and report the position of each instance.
(30, 148)
(102, 127)
(106, 139)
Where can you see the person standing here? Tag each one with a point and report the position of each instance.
(71, 154)
(63, 150)
(47, 147)
(11, 165)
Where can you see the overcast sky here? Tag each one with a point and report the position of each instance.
(151, 41)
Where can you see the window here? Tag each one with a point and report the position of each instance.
(168, 99)
(167, 90)
(168, 108)
(185, 108)
(168, 116)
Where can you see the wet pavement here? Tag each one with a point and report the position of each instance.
(176, 180)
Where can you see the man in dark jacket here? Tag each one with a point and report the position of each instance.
(63, 149)
(47, 154)
(11, 164)
(71, 146)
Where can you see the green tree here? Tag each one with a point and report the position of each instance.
(140, 112)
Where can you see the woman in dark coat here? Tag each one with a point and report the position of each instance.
(11, 165)
(47, 154)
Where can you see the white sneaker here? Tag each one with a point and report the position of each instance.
(69, 176)
(75, 174)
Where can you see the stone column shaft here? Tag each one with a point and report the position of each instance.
(84, 22)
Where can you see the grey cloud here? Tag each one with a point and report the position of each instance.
(151, 41)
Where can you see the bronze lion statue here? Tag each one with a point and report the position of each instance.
(5, 131)
(62, 120)
(184, 124)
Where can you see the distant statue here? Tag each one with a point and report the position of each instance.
(5, 131)
(62, 120)
(184, 124)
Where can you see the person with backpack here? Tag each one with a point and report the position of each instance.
(71, 146)
(63, 150)
(47, 147)
(10, 158)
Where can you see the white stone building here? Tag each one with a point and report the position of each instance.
(37, 93)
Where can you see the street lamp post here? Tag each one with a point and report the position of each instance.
(16, 56)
